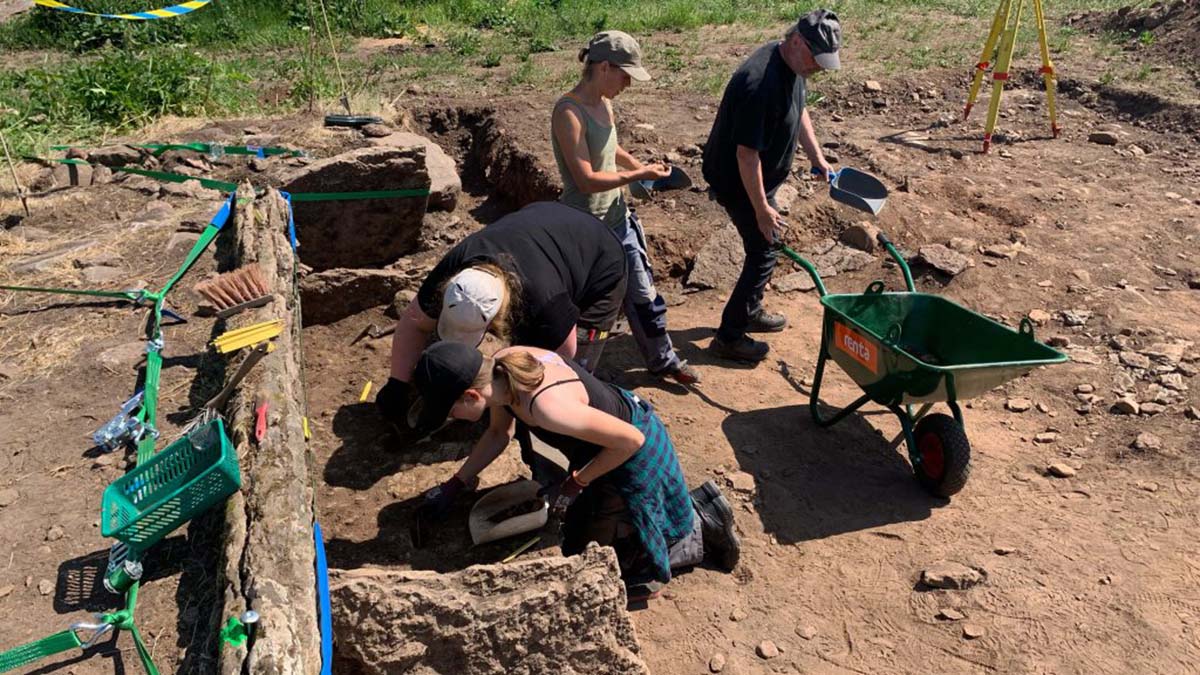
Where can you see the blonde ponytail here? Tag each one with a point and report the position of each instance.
(520, 370)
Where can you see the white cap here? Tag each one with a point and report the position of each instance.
(471, 301)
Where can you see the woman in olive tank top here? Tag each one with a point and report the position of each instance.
(594, 167)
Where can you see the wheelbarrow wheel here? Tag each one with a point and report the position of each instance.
(943, 455)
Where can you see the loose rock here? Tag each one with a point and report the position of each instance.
(1039, 317)
(717, 663)
(950, 614)
(1134, 360)
(872, 86)
(738, 614)
(45, 587)
(1018, 405)
(1152, 408)
(806, 632)
(861, 236)
(1103, 138)
(971, 631)
(1046, 437)
(951, 575)
(741, 482)
(377, 130)
(1060, 470)
(719, 260)
(1075, 317)
(944, 259)
(795, 281)
(1147, 442)
(54, 533)
(767, 650)
(1126, 406)
(9, 496)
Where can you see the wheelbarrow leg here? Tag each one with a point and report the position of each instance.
(814, 402)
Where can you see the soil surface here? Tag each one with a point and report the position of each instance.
(1091, 573)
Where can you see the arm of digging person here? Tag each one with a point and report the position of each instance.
(619, 439)
(812, 149)
(413, 329)
(489, 446)
(750, 171)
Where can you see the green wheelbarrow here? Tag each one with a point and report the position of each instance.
(912, 348)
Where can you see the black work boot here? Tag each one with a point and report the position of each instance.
(744, 349)
(716, 520)
(763, 321)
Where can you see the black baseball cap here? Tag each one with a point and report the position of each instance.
(444, 371)
(822, 31)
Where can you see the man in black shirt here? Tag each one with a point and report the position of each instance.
(545, 275)
(748, 156)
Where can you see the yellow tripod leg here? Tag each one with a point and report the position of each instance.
(998, 22)
(1000, 75)
(1048, 75)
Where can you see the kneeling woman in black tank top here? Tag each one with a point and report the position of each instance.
(625, 487)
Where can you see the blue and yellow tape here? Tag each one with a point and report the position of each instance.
(164, 13)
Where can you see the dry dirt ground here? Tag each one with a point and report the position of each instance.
(1096, 573)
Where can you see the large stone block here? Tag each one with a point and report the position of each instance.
(360, 232)
(548, 615)
(444, 183)
(333, 295)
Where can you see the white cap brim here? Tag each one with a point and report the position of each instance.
(828, 61)
(636, 72)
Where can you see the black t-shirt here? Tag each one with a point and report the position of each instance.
(760, 109)
(571, 268)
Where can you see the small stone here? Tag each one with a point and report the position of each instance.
(971, 631)
(1148, 486)
(1043, 408)
(1000, 251)
(1103, 138)
(1152, 408)
(5, 591)
(1085, 389)
(861, 236)
(738, 614)
(950, 614)
(795, 281)
(717, 663)
(1173, 381)
(807, 632)
(45, 587)
(1060, 470)
(377, 130)
(951, 575)
(1134, 360)
(1046, 437)
(741, 482)
(1075, 317)
(1004, 550)
(1147, 442)
(944, 259)
(767, 650)
(1059, 341)
(54, 533)
(872, 86)
(963, 245)
(9, 496)
(1193, 413)
(259, 164)
(1018, 405)
(1039, 317)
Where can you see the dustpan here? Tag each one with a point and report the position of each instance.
(645, 189)
(484, 530)
(858, 190)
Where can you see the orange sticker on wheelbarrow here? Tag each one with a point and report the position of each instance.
(858, 347)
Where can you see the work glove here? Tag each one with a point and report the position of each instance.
(561, 496)
(436, 501)
(392, 402)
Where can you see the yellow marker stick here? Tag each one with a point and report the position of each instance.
(521, 549)
(362, 398)
(307, 433)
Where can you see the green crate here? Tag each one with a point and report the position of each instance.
(178, 484)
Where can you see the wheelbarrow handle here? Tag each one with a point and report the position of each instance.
(887, 244)
(808, 267)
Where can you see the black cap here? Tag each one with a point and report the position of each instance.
(444, 371)
(822, 31)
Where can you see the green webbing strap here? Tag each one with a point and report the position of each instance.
(179, 178)
(370, 194)
(132, 296)
(157, 149)
(39, 649)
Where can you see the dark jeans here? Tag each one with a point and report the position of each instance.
(746, 299)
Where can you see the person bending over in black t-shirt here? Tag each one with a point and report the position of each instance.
(748, 156)
(547, 276)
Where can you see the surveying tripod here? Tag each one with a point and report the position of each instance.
(1004, 31)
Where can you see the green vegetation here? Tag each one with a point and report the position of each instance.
(98, 76)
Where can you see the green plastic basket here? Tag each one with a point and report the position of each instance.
(178, 484)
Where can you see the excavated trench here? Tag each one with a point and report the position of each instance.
(400, 604)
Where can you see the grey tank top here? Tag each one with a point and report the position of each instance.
(609, 206)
